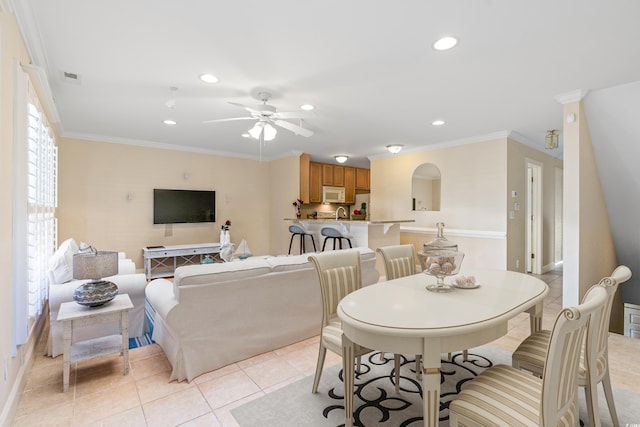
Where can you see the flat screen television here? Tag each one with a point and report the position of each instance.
(183, 206)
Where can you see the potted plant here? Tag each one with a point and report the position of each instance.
(360, 213)
(297, 204)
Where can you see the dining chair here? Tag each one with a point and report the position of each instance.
(339, 274)
(594, 360)
(504, 395)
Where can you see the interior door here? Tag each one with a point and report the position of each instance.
(533, 252)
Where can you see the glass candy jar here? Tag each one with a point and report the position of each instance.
(440, 258)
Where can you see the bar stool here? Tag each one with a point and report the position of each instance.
(334, 234)
(298, 230)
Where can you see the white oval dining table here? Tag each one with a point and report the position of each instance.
(401, 316)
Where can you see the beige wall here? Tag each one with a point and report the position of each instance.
(517, 157)
(477, 180)
(106, 196)
(285, 188)
(473, 202)
(588, 244)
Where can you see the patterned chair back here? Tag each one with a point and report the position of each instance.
(339, 273)
(559, 379)
(399, 261)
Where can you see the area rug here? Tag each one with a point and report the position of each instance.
(149, 313)
(376, 402)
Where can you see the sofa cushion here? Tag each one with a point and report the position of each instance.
(61, 263)
(219, 272)
(289, 263)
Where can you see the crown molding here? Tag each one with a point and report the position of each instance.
(573, 96)
(162, 146)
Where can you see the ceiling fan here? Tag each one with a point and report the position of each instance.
(266, 116)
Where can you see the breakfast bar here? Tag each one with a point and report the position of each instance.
(365, 233)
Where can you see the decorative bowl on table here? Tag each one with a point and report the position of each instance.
(441, 264)
(95, 293)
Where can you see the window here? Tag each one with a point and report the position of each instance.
(42, 161)
(35, 162)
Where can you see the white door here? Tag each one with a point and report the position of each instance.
(533, 253)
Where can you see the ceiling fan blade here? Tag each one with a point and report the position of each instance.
(298, 130)
(228, 120)
(249, 109)
(293, 115)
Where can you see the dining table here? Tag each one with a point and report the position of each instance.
(401, 316)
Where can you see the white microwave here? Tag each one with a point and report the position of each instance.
(332, 194)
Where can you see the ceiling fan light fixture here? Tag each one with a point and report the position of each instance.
(269, 132)
(255, 131)
(341, 158)
(209, 78)
(394, 148)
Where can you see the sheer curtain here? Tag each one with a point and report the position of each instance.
(35, 201)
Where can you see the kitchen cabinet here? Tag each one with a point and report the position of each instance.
(327, 174)
(315, 182)
(362, 179)
(338, 176)
(349, 185)
(314, 175)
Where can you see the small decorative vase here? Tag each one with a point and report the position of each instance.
(298, 214)
(227, 237)
(222, 238)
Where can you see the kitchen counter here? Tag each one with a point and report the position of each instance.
(360, 221)
(365, 233)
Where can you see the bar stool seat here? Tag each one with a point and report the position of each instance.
(335, 235)
(299, 230)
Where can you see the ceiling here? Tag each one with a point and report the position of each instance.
(368, 67)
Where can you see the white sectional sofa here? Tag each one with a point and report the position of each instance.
(61, 287)
(215, 314)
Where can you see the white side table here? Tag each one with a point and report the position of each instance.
(74, 315)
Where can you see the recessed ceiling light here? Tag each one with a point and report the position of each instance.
(209, 78)
(246, 135)
(307, 107)
(445, 43)
(169, 122)
(437, 122)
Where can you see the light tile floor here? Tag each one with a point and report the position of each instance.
(100, 395)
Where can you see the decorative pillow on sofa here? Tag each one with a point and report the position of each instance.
(61, 263)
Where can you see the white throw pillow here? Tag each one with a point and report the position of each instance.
(61, 263)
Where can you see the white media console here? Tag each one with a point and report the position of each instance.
(162, 261)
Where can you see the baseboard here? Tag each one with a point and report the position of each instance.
(550, 267)
(27, 351)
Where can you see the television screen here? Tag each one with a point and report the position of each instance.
(182, 206)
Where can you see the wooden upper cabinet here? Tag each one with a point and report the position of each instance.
(315, 182)
(349, 185)
(338, 176)
(362, 179)
(327, 174)
(304, 178)
(314, 175)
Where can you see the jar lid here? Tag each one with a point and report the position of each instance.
(440, 242)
